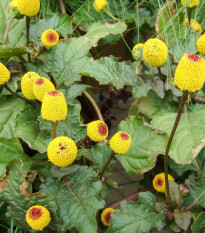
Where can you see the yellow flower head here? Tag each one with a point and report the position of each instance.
(136, 50)
(190, 73)
(159, 182)
(190, 3)
(100, 5)
(97, 131)
(62, 151)
(41, 87)
(155, 52)
(54, 107)
(38, 217)
(195, 26)
(27, 82)
(49, 38)
(4, 74)
(13, 4)
(200, 44)
(28, 7)
(106, 216)
(120, 142)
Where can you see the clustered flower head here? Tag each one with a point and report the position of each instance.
(38, 217)
(155, 52)
(136, 51)
(4, 74)
(27, 82)
(190, 73)
(200, 44)
(120, 142)
(159, 182)
(106, 216)
(100, 5)
(190, 3)
(54, 107)
(195, 26)
(42, 86)
(28, 7)
(50, 38)
(97, 131)
(62, 151)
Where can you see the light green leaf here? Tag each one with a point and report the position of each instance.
(77, 199)
(9, 51)
(199, 223)
(182, 218)
(174, 191)
(137, 217)
(146, 145)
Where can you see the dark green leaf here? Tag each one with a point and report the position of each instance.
(174, 191)
(182, 218)
(199, 223)
(9, 51)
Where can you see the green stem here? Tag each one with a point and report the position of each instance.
(112, 16)
(53, 133)
(181, 107)
(160, 74)
(18, 96)
(106, 165)
(27, 35)
(38, 161)
(12, 225)
(82, 141)
(7, 30)
(179, 200)
(189, 18)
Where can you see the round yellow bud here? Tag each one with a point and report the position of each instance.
(49, 38)
(106, 216)
(97, 131)
(136, 51)
(27, 82)
(159, 182)
(62, 151)
(100, 5)
(28, 7)
(120, 143)
(41, 87)
(54, 107)
(38, 217)
(155, 52)
(200, 44)
(4, 74)
(190, 73)
(190, 3)
(195, 26)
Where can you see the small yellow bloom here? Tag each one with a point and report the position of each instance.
(100, 5)
(190, 3)
(155, 52)
(27, 82)
(49, 38)
(106, 216)
(13, 4)
(28, 7)
(200, 44)
(120, 143)
(190, 73)
(136, 51)
(97, 131)
(62, 151)
(195, 26)
(54, 107)
(159, 182)
(4, 74)
(41, 87)
(38, 217)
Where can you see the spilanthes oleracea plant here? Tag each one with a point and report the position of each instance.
(100, 5)
(4, 74)
(159, 182)
(50, 38)
(200, 45)
(62, 151)
(106, 216)
(97, 131)
(38, 217)
(190, 3)
(28, 7)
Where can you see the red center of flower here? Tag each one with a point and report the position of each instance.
(194, 57)
(159, 182)
(124, 136)
(35, 213)
(53, 93)
(102, 129)
(108, 217)
(51, 37)
(39, 81)
(62, 147)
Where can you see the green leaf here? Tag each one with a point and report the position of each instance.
(199, 223)
(174, 191)
(9, 51)
(189, 133)
(58, 22)
(77, 199)
(19, 199)
(137, 217)
(32, 67)
(182, 218)
(10, 107)
(146, 145)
